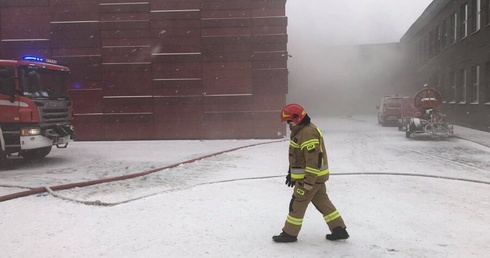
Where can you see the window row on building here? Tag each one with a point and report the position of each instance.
(448, 48)
(464, 86)
(460, 24)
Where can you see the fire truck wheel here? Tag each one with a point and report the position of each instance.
(35, 153)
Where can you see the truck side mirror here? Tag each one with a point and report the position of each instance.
(11, 89)
(12, 98)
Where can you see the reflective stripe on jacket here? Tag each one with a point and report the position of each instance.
(307, 155)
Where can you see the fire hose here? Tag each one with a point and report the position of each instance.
(51, 189)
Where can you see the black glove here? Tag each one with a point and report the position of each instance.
(289, 182)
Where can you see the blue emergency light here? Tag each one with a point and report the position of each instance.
(33, 58)
(39, 59)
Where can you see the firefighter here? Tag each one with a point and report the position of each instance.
(308, 172)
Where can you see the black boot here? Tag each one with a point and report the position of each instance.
(284, 238)
(338, 233)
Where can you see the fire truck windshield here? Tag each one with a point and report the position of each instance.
(37, 82)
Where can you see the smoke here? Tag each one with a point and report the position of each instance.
(345, 54)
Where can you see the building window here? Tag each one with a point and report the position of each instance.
(445, 34)
(487, 80)
(435, 82)
(432, 44)
(475, 84)
(442, 87)
(464, 21)
(451, 88)
(488, 12)
(421, 49)
(452, 28)
(462, 86)
(475, 15)
(438, 39)
(453, 33)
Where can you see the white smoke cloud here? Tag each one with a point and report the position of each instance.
(326, 71)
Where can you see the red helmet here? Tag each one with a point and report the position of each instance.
(293, 112)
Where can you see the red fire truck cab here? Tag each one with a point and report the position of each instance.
(35, 110)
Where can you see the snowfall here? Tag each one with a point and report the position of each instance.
(400, 197)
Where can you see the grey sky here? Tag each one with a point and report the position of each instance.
(352, 22)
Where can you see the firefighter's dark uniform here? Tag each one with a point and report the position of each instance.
(309, 168)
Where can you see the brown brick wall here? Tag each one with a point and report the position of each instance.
(166, 69)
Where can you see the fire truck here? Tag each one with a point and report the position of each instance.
(35, 110)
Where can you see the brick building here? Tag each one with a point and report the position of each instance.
(449, 48)
(161, 69)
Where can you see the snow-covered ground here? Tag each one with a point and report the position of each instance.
(399, 197)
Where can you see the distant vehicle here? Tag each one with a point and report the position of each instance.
(35, 110)
(390, 110)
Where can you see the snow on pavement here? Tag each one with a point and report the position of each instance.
(230, 205)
